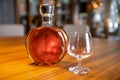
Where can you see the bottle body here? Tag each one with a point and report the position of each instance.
(46, 45)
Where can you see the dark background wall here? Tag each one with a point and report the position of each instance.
(7, 11)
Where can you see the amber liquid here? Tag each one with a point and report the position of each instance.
(46, 45)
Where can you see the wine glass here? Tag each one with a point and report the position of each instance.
(80, 45)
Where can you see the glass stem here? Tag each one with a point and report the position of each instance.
(79, 60)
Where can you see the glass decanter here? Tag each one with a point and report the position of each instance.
(47, 43)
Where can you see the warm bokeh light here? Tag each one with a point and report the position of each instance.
(95, 5)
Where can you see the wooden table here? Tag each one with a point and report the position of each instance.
(15, 64)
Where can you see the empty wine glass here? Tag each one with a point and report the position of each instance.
(80, 45)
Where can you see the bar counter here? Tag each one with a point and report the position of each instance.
(15, 64)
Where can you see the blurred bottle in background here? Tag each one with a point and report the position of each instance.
(96, 17)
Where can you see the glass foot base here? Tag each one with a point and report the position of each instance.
(78, 70)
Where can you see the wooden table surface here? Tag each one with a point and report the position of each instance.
(15, 64)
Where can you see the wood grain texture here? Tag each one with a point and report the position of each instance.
(15, 64)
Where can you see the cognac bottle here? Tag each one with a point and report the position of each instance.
(47, 43)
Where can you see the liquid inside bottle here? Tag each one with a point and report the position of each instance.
(47, 43)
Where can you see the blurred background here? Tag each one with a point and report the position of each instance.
(100, 17)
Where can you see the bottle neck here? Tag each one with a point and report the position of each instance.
(47, 21)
